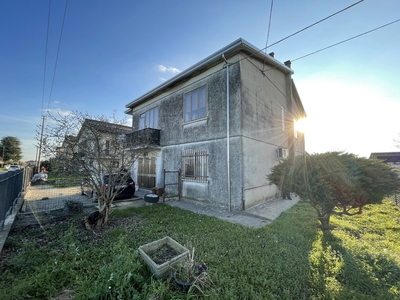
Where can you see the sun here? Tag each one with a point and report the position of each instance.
(301, 125)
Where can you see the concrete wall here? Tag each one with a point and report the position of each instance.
(262, 100)
(207, 134)
(255, 131)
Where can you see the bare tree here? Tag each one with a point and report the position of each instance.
(93, 146)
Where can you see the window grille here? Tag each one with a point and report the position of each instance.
(195, 165)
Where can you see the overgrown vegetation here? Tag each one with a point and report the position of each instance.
(288, 259)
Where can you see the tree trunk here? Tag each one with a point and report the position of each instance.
(325, 221)
(103, 219)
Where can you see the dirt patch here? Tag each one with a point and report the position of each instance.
(163, 254)
(65, 295)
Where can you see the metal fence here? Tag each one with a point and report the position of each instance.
(11, 185)
(395, 198)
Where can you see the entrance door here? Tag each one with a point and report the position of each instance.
(147, 172)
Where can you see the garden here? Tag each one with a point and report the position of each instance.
(291, 258)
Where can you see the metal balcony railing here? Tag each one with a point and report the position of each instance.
(143, 138)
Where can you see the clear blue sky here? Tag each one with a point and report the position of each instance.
(111, 53)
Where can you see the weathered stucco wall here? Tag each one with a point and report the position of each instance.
(262, 99)
(207, 134)
(255, 131)
(215, 191)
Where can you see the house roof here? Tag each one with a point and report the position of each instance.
(105, 127)
(210, 61)
(386, 156)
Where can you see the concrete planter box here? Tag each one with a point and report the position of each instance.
(165, 268)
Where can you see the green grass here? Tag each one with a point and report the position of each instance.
(60, 180)
(288, 259)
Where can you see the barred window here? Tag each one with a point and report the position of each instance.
(195, 165)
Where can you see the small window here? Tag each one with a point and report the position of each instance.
(107, 149)
(195, 165)
(195, 105)
(283, 118)
(281, 153)
(149, 119)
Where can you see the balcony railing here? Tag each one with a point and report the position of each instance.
(143, 138)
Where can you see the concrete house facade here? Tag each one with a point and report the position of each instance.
(100, 144)
(224, 123)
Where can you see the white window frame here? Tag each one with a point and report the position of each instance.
(149, 119)
(189, 99)
(281, 153)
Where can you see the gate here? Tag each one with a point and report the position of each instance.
(147, 172)
(172, 184)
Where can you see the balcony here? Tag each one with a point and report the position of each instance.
(143, 138)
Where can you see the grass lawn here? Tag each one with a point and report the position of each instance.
(288, 259)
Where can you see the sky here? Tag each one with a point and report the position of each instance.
(112, 52)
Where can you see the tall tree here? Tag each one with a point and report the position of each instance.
(336, 182)
(10, 149)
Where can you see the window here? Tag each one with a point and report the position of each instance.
(107, 149)
(281, 153)
(195, 165)
(283, 118)
(149, 119)
(295, 127)
(195, 105)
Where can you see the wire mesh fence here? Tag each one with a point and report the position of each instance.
(395, 198)
(47, 197)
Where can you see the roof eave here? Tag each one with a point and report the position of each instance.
(213, 59)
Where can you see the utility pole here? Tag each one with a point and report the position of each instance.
(40, 145)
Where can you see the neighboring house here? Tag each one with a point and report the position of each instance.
(392, 158)
(65, 153)
(101, 143)
(224, 143)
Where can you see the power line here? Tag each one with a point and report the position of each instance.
(58, 51)
(269, 27)
(45, 52)
(315, 23)
(269, 24)
(346, 40)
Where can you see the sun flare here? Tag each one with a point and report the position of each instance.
(301, 125)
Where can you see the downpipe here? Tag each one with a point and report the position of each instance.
(228, 134)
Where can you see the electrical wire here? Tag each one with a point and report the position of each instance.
(269, 27)
(346, 40)
(269, 24)
(45, 52)
(58, 51)
(281, 40)
(261, 50)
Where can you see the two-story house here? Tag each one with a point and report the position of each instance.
(224, 123)
(101, 145)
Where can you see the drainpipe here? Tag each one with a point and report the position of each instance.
(227, 133)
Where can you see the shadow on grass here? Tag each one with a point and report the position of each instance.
(346, 274)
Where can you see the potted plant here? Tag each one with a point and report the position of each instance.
(163, 255)
(190, 276)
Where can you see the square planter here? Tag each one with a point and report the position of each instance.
(163, 270)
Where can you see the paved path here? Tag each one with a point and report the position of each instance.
(256, 216)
